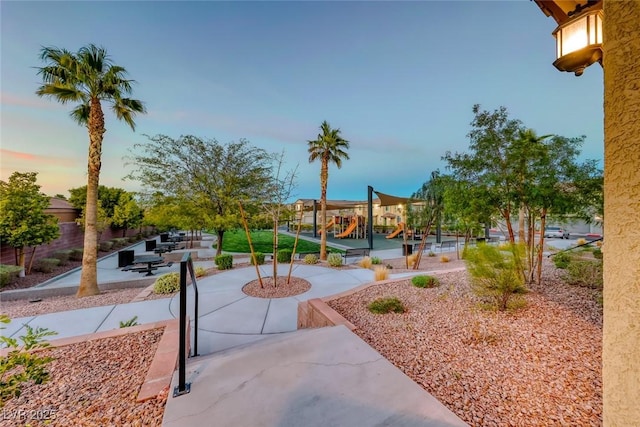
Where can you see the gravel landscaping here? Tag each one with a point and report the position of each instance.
(92, 383)
(540, 365)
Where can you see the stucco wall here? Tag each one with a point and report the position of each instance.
(621, 335)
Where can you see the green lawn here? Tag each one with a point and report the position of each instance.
(236, 241)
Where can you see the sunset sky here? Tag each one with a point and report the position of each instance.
(398, 78)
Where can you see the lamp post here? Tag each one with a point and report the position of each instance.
(579, 41)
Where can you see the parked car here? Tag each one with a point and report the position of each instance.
(556, 232)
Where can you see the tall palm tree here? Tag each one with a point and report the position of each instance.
(328, 147)
(89, 77)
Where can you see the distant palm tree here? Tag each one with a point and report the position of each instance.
(87, 78)
(329, 147)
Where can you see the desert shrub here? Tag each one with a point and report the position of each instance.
(310, 259)
(386, 305)
(8, 274)
(375, 260)
(380, 273)
(424, 281)
(411, 259)
(259, 258)
(62, 255)
(597, 253)
(495, 274)
(167, 284)
(200, 271)
(76, 254)
(562, 260)
(284, 255)
(431, 254)
(365, 262)
(46, 265)
(105, 246)
(581, 241)
(21, 365)
(334, 260)
(444, 258)
(131, 322)
(224, 261)
(585, 273)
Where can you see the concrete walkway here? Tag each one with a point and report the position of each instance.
(290, 378)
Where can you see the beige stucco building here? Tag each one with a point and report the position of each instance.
(621, 329)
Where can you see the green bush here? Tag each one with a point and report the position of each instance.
(375, 260)
(105, 246)
(310, 259)
(259, 258)
(424, 281)
(585, 273)
(62, 255)
(284, 255)
(562, 260)
(334, 260)
(386, 305)
(495, 274)
(167, 284)
(76, 254)
(46, 265)
(8, 274)
(224, 261)
(597, 253)
(21, 365)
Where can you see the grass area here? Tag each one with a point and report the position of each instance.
(236, 241)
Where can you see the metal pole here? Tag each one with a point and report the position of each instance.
(315, 219)
(182, 387)
(370, 215)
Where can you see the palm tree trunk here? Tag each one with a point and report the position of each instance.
(324, 176)
(89, 277)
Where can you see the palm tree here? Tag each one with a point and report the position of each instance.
(89, 77)
(329, 147)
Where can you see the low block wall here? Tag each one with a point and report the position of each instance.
(315, 313)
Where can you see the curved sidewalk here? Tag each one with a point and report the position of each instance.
(227, 316)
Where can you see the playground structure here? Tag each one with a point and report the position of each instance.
(352, 227)
(399, 229)
(326, 227)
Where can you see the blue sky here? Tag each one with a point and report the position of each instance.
(398, 78)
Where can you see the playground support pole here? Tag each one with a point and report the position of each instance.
(315, 219)
(370, 215)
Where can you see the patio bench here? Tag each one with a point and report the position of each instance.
(352, 252)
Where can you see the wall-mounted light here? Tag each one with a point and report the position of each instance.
(579, 41)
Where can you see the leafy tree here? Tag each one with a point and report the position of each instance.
(425, 208)
(510, 167)
(211, 176)
(102, 221)
(328, 147)
(126, 214)
(23, 222)
(489, 163)
(88, 78)
(109, 198)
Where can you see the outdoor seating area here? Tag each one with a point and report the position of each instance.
(147, 264)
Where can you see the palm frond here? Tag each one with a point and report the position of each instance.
(80, 114)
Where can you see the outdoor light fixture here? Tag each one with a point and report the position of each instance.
(579, 39)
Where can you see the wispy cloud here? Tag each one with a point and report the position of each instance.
(11, 160)
(32, 101)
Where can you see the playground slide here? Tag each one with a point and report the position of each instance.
(329, 224)
(352, 226)
(399, 229)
